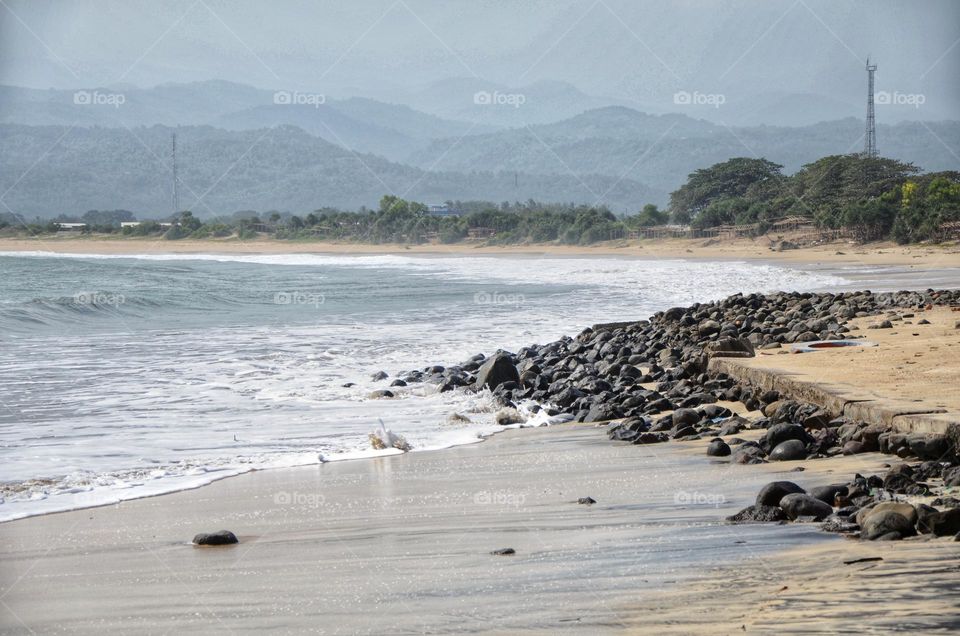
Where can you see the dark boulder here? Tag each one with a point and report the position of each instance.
(747, 453)
(946, 523)
(718, 448)
(758, 514)
(882, 523)
(790, 450)
(951, 477)
(828, 494)
(800, 505)
(223, 537)
(779, 433)
(772, 493)
(495, 371)
(685, 417)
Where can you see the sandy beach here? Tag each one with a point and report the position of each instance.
(403, 543)
(837, 253)
(368, 546)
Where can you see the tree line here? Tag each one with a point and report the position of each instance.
(873, 197)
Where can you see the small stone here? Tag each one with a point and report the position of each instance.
(223, 537)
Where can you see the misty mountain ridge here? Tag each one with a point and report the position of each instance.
(222, 171)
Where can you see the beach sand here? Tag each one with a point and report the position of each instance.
(837, 253)
(911, 362)
(402, 544)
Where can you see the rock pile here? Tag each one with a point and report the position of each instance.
(650, 378)
(867, 507)
(600, 374)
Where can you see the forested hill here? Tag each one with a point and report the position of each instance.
(53, 170)
(661, 150)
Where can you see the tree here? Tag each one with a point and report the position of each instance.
(740, 177)
(650, 216)
(830, 185)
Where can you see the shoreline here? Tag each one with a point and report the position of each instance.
(386, 522)
(836, 253)
(436, 517)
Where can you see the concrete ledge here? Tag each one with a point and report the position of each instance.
(927, 422)
(886, 411)
(841, 399)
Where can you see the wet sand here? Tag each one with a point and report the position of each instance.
(402, 544)
(919, 257)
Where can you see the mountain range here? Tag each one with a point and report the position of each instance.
(109, 147)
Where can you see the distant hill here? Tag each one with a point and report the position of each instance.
(661, 150)
(52, 170)
(363, 125)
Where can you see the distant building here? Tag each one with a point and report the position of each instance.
(442, 209)
(71, 227)
(164, 225)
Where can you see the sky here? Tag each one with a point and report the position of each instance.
(637, 52)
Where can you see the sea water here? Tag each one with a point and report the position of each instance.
(128, 376)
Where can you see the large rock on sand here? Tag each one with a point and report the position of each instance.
(790, 450)
(800, 505)
(495, 371)
(222, 537)
(904, 509)
(772, 493)
(886, 524)
(758, 514)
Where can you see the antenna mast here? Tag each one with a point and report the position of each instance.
(870, 144)
(176, 188)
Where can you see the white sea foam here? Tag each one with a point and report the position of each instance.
(127, 406)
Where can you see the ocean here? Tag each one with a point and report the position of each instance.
(129, 376)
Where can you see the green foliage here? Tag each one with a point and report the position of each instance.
(923, 204)
(650, 216)
(740, 177)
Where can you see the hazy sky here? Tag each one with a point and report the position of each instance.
(634, 50)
